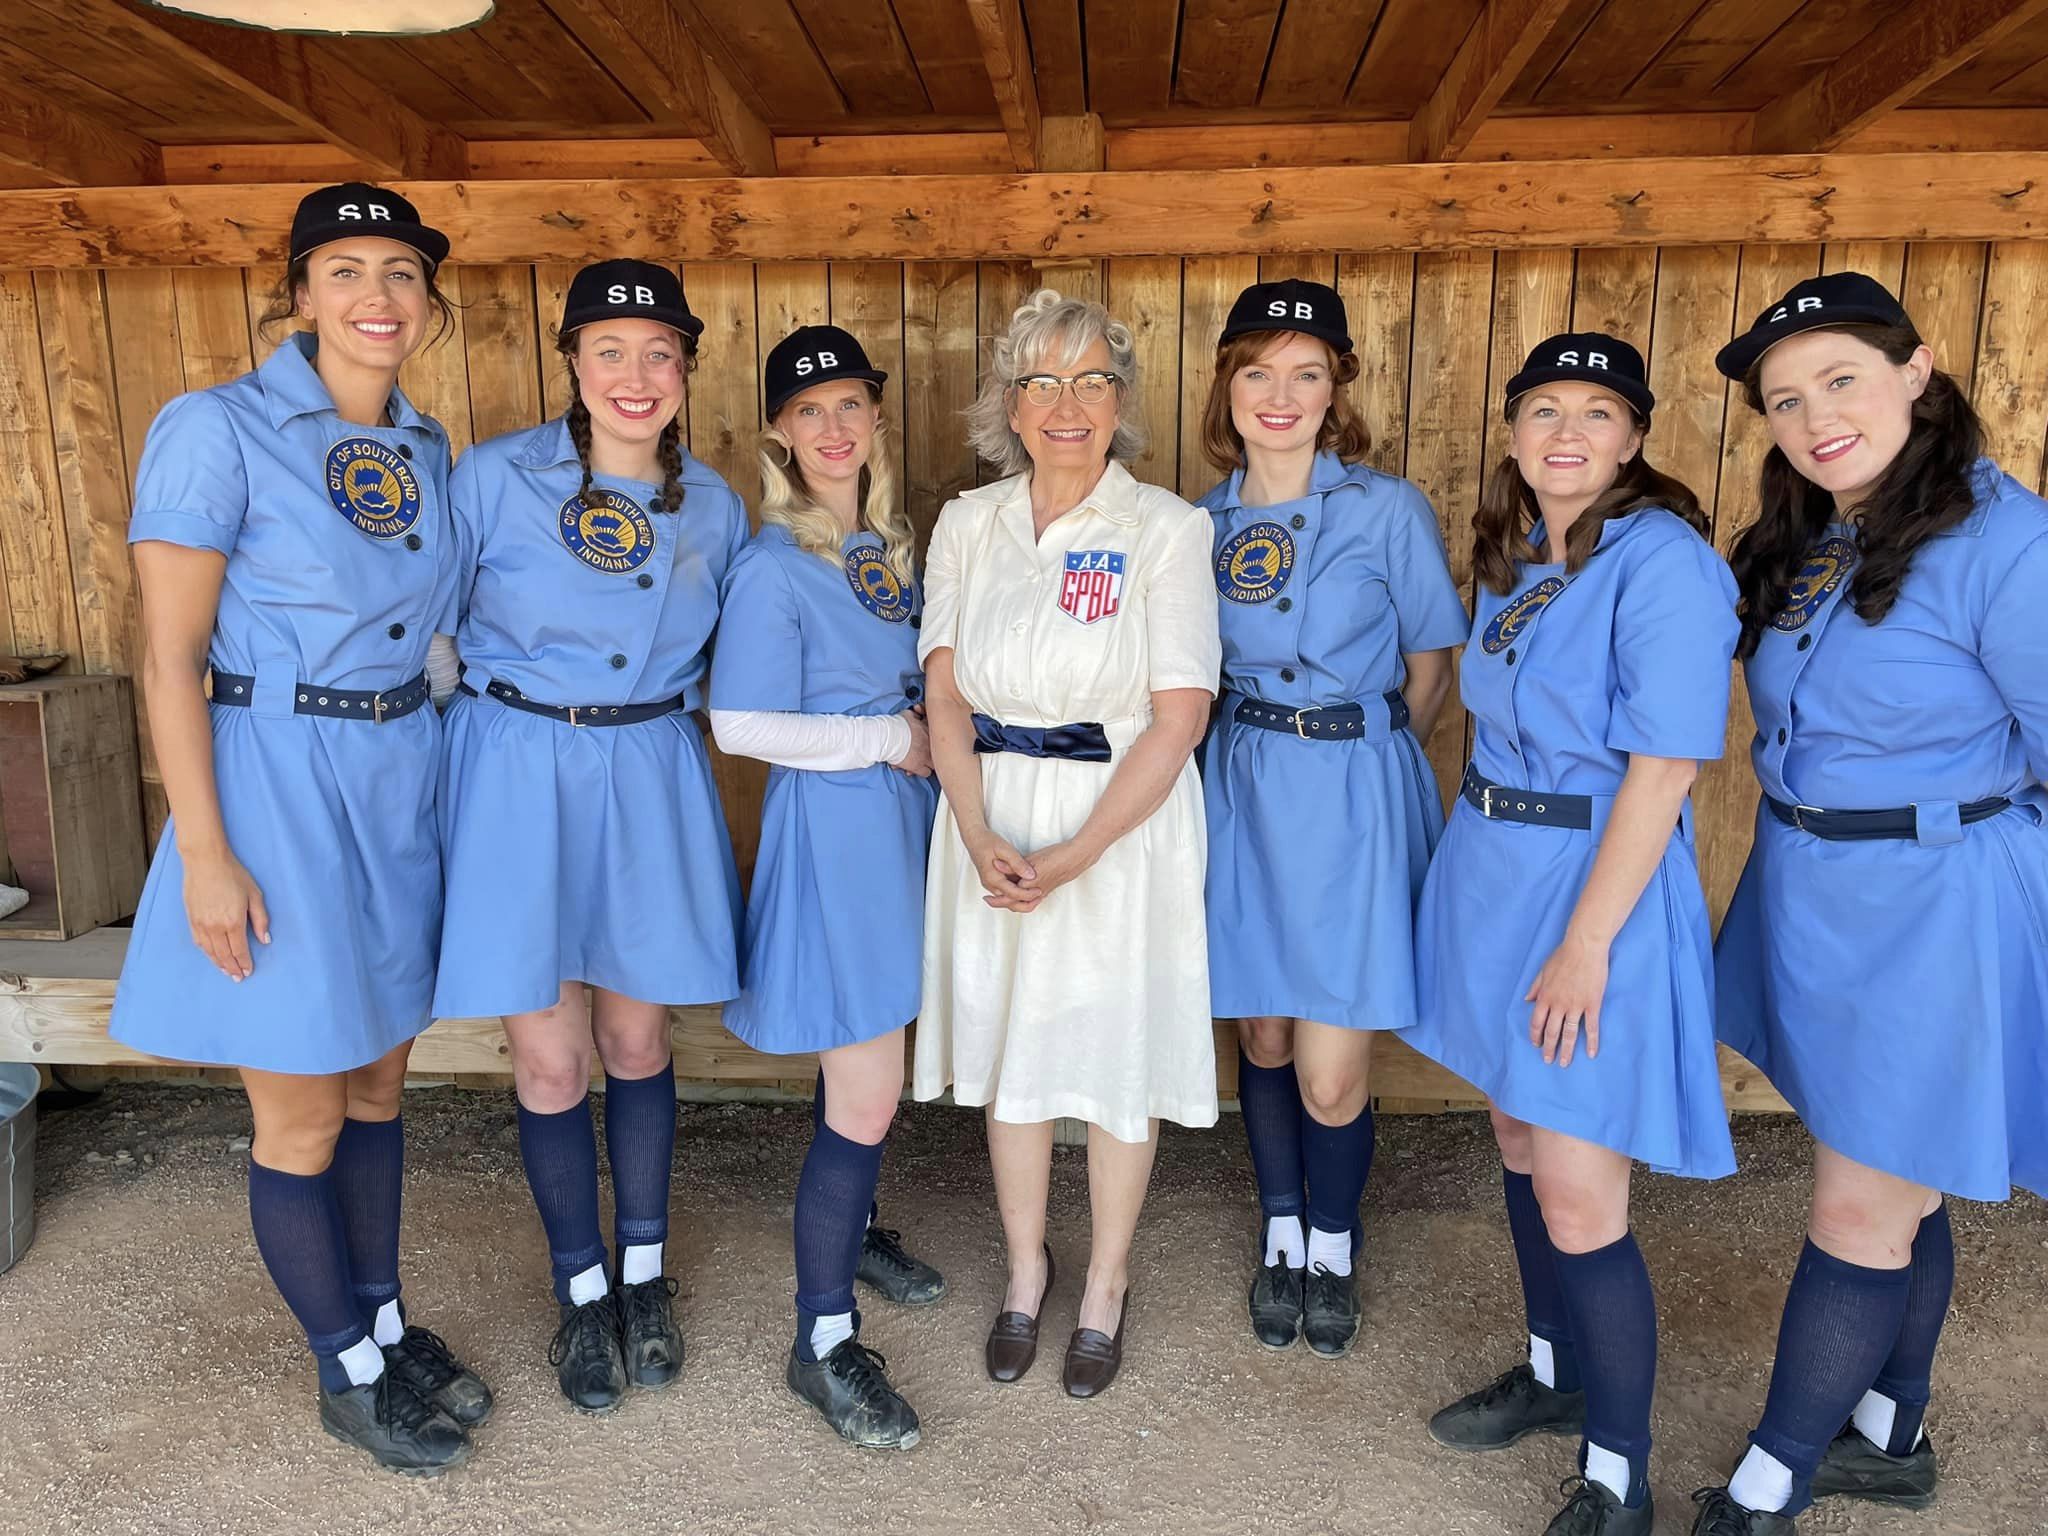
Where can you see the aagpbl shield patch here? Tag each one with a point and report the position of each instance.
(615, 539)
(1255, 563)
(879, 589)
(373, 487)
(1517, 616)
(1092, 586)
(1827, 565)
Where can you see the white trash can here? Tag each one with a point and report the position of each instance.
(18, 1085)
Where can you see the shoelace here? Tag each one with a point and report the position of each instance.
(587, 1328)
(1504, 1388)
(862, 1370)
(1332, 1290)
(1584, 1502)
(1723, 1516)
(888, 1245)
(645, 1306)
(1279, 1278)
(428, 1363)
(399, 1406)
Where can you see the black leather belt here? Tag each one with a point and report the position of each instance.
(1083, 742)
(340, 703)
(579, 714)
(1333, 722)
(1531, 807)
(1858, 826)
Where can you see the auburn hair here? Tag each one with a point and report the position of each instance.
(1343, 431)
(669, 448)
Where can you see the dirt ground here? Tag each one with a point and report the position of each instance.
(151, 1381)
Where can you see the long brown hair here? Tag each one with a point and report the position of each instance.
(282, 308)
(670, 447)
(1343, 431)
(1928, 488)
(1508, 510)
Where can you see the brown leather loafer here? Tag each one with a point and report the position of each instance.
(1093, 1357)
(1013, 1341)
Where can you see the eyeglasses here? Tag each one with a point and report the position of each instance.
(1091, 388)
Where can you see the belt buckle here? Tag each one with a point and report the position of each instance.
(1486, 802)
(574, 711)
(377, 707)
(1301, 724)
(1798, 812)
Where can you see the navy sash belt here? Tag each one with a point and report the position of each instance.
(1333, 722)
(1531, 807)
(578, 714)
(1083, 742)
(1857, 826)
(340, 703)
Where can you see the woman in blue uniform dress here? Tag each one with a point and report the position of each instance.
(817, 674)
(1337, 615)
(1563, 956)
(590, 878)
(1885, 959)
(291, 534)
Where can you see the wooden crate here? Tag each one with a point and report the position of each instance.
(69, 804)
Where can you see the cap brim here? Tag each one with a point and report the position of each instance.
(430, 243)
(873, 376)
(689, 325)
(1342, 344)
(1638, 396)
(1735, 360)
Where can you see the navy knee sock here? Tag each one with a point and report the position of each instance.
(1614, 1326)
(818, 1124)
(369, 1184)
(640, 1139)
(1270, 1098)
(304, 1243)
(1542, 1296)
(1905, 1378)
(559, 1152)
(1841, 1321)
(833, 1196)
(1336, 1160)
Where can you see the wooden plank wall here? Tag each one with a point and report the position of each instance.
(88, 357)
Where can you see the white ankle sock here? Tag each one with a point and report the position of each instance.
(390, 1326)
(1331, 1250)
(1543, 1361)
(1607, 1469)
(363, 1361)
(588, 1286)
(1762, 1482)
(1285, 1242)
(640, 1263)
(1876, 1416)
(828, 1332)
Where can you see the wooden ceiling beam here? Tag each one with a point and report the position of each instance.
(65, 149)
(1886, 68)
(1007, 52)
(1451, 206)
(1504, 37)
(648, 48)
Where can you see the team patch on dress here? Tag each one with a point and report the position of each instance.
(1092, 586)
(880, 590)
(1826, 566)
(1254, 564)
(616, 538)
(372, 487)
(1516, 617)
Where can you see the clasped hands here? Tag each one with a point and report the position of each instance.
(1017, 883)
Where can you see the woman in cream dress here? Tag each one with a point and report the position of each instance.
(1070, 644)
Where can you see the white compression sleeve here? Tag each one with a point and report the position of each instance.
(823, 743)
(444, 667)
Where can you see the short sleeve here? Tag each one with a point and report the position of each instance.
(939, 624)
(1182, 648)
(1427, 605)
(757, 662)
(738, 529)
(192, 487)
(1674, 647)
(2013, 646)
(466, 526)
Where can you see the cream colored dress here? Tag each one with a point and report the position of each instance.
(1097, 1004)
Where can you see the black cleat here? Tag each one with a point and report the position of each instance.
(1329, 1312)
(907, 1281)
(399, 1428)
(652, 1343)
(1720, 1515)
(1591, 1509)
(1503, 1411)
(588, 1357)
(1858, 1468)
(850, 1389)
(430, 1369)
(1276, 1303)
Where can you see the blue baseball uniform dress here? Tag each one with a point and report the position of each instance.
(1895, 990)
(834, 949)
(1317, 849)
(341, 564)
(1566, 676)
(595, 853)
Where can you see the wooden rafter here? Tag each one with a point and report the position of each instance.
(1000, 25)
(69, 150)
(1886, 68)
(649, 50)
(1504, 37)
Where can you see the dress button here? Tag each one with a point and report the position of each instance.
(618, 663)
(1284, 604)
(643, 581)
(1781, 735)
(1511, 656)
(405, 450)
(1020, 626)
(917, 621)
(1805, 641)
(396, 631)
(913, 693)
(1298, 520)
(413, 541)
(1287, 674)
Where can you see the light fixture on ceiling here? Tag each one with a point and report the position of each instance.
(355, 18)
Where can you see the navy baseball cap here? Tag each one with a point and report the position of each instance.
(628, 290)
(1312, 309)
(1818, 304)
(356, 208)
(1587, 357)
(810, 355)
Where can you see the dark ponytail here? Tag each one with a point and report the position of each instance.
(670, 446)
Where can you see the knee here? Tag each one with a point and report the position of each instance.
(865, 1118)
(1333, 1096)
(635, 1056)
(1578, 1219)
(1266, 1042)
(550, 1082)
(1517, 1143)
(301, 1143)
(1858, 1232)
